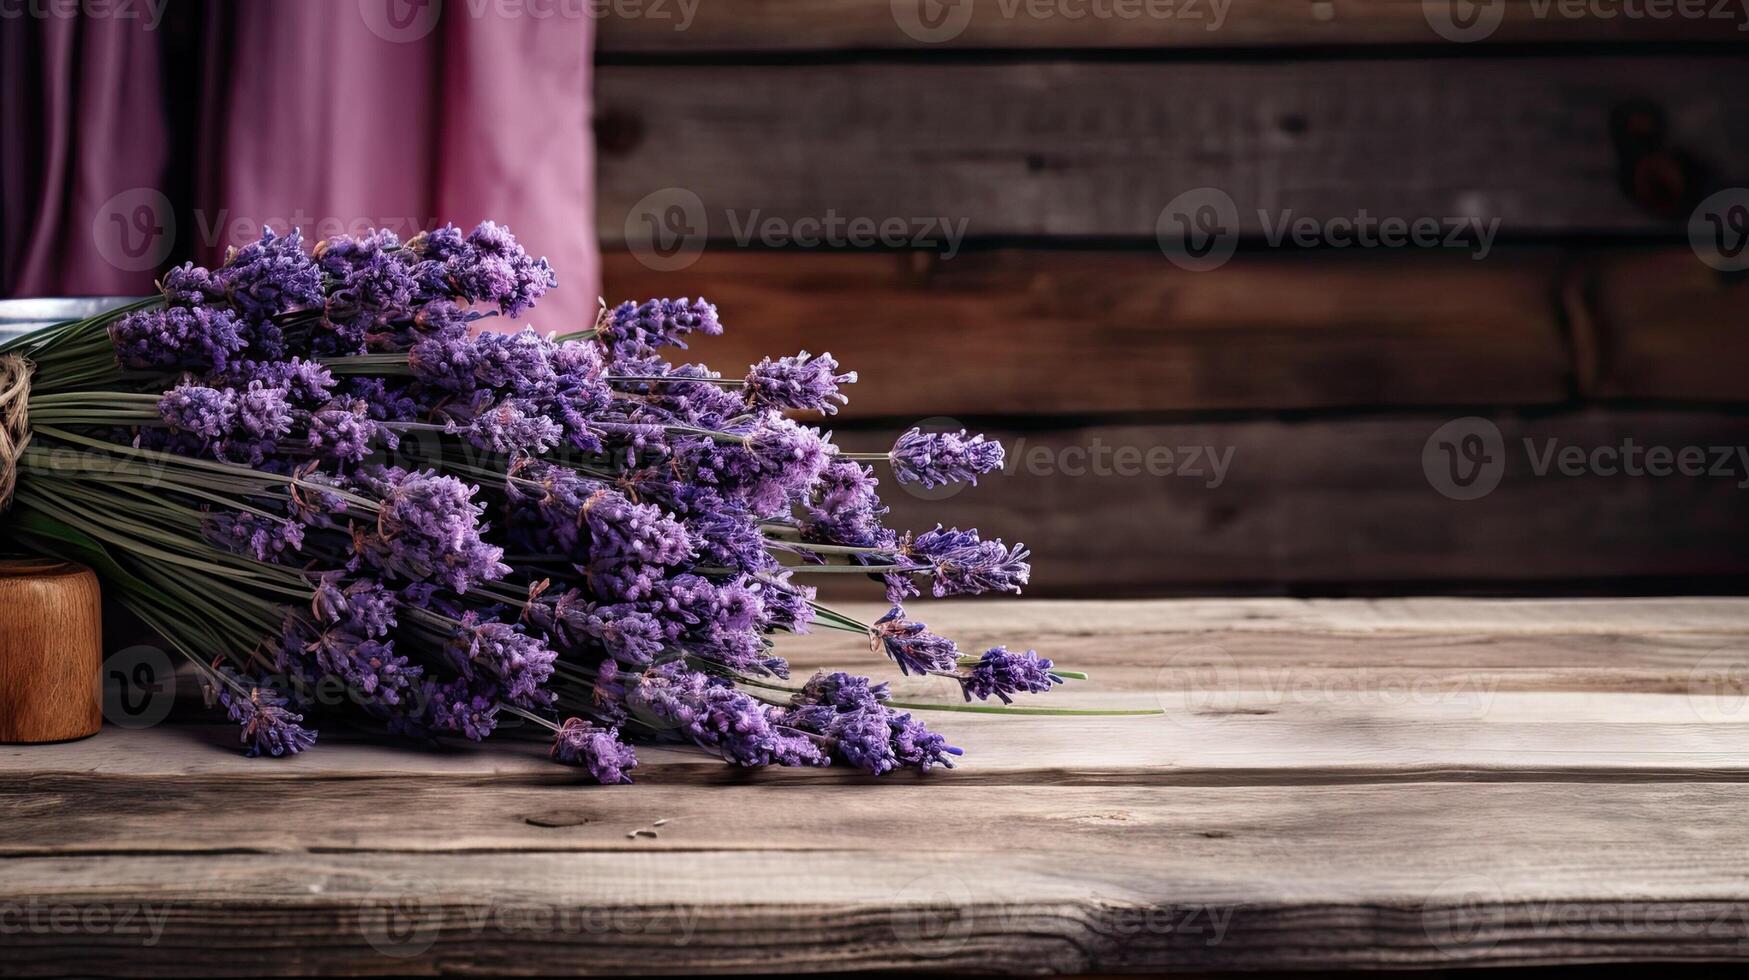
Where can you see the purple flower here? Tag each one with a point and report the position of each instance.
(263, 416)
(428, 528)
(851, 716)
(307, 383)
(677, 398)
(268, 277)
(198, 410)
(636, 329)
(343, 432)
(622, 530)
(374, 670)
(916, 747)
(1001, 674)
(518, 364)
(199, 338)
(509, 427)
(912, 646)
(487, 266)
(715, 716)
(845, 692)
(461, 707)
(777, 462)
(498, 271)
(191, 285)
(359, 608)
(965, 565)
(788, 606)
(799, 382)
(262, 538)
(599, 750)
(521, 663)
(269, 728)
(846, 509)
(938, 458)
(628, 634)
(371, 285)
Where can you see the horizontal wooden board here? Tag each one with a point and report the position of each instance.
(1323, 502)
(1666, 326)
(813, 25)
(1102, 148)
(1017, 332)
(1594, 820)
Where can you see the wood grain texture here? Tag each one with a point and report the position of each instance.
(1320, 502)
(1314, 804)
(51, 651)
(815, 25)
(1668, 328)
(1080, 332)
(1099, 149)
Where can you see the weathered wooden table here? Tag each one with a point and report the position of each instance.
(1415, 782)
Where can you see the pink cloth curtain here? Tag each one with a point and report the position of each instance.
(329, 116)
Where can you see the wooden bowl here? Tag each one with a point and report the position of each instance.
(51, 651)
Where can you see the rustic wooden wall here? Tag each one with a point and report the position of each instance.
(1318, 373)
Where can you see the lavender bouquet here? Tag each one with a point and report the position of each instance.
(308, 471)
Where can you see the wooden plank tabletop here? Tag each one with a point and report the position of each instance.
(1386, 783)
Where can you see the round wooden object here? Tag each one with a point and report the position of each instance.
(51, 651)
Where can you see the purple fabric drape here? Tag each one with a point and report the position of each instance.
(328, 116)
(82, 159)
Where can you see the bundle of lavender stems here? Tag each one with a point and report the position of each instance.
(311, 471)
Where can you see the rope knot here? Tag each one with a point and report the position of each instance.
(14, 420)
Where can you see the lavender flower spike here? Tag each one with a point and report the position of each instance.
(599, 750)
(939, 458)
(801, 382)
(633, 330)
(964, 565)
(912, 646)
(1001, 673)
(268, 727)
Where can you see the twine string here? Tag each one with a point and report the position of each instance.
(14, 421)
